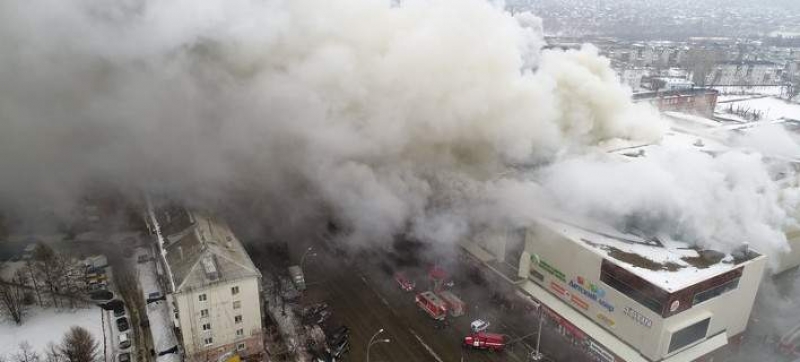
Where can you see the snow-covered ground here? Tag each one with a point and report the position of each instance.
(771, 108)
(42, 326)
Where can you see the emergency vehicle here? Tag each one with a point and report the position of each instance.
(432, 304)
(490, 341)
(790, 342)
(404, 283)
(454, 304)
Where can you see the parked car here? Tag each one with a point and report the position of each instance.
(124, 340)
(338, 333)
(338, 340)
(124, 357)
(119, 312)
(122, 324)
(479, 325)
(155, 297)
(113, 304)
(100, 295)
(339, 350)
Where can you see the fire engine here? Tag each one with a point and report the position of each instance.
(790, 342)
(432, 304)
(404, 283)
(454, 304)
(490, 341)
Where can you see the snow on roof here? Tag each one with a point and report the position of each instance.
(670, 265)
(676, 137)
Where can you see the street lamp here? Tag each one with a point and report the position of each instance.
(303, 258)
(376, 341)
(537, 355)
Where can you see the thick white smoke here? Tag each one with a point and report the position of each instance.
(421, 116)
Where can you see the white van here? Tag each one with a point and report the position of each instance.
(124, 340)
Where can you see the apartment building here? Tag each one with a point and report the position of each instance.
(213, 286)
(692, 100)
(624, 297)
(748, 72)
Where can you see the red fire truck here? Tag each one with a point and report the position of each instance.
(454, 304)
(790, 342)
(404, 283)
(432, 304)
(490, 341)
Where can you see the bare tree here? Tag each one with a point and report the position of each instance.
(30, 268)
(12, 297)
(26, 353)
(52, 353)
(52, 268)
(701, 63)
(78, 345)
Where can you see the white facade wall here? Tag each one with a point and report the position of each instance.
(732, 74)
(219, 302)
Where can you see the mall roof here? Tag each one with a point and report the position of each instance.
(670, 265)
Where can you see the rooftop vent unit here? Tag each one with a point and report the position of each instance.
(210, 267)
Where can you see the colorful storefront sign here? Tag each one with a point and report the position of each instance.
(549, 268)
(579, 302)
(606, 320)
(591, 291)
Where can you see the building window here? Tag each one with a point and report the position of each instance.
(202, 297)
(634, 287)
(235, 290)
(204, 313)
(237, 304)
(237, 319)
(207, 326)
(239, 332)
(689, 335)
(715, 291)
(538, 276)
(208, 341)
(240, 347)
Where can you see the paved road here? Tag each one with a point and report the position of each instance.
(362, 295)
(366, 298)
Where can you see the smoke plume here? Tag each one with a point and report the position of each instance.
(421, 116)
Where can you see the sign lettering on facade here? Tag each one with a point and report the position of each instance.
(548, 268)
(638, 317)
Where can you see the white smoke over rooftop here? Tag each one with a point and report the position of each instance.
(395, 117)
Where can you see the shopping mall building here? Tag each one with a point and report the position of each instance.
(623, 297)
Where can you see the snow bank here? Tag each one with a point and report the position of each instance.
(158, 313)
(42, 326)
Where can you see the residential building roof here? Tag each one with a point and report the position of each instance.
(201, 250)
